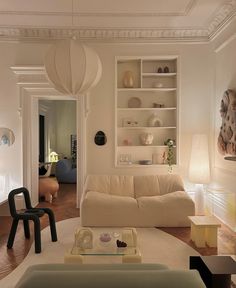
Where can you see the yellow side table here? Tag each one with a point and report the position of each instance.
(204, 230)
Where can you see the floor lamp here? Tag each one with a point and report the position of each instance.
(199, 169)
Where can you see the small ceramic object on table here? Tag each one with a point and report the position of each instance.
(105, 237)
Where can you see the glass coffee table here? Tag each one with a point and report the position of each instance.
(102, 243)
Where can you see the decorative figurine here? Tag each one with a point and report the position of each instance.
(166, 69)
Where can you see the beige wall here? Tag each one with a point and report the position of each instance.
(199, 102)
(196, 88)
(223, 171)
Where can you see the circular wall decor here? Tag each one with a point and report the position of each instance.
(134, 102)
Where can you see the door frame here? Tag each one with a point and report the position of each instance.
(34, 85)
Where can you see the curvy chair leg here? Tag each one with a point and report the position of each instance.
(52, 223)
(37, 235)
(26, 229)
(12, 234)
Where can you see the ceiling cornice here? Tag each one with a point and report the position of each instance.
(104, 34)
(218, 21)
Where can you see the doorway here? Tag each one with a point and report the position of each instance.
(57, 139)
(34, 85)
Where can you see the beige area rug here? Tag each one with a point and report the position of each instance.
(155, 245)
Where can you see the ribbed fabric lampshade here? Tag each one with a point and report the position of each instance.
(72, 67)
(199, 169)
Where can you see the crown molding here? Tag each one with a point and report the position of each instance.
(216, 24)
(221, 18)
(104, 34)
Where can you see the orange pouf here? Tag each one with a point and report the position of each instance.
(48, 188)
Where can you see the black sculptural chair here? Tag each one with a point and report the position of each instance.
(29, 213)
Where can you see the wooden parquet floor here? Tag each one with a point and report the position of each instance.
(64, 207)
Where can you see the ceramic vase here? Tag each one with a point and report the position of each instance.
(128, 79)
(154, 121)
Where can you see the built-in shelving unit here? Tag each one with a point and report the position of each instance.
(146, 106)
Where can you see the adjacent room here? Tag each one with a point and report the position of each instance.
(118, 143)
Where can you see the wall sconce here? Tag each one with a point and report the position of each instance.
(199, 169)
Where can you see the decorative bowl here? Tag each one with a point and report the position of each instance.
(145, 162)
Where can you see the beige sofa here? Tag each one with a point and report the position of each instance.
(137, 201)
(108, 275)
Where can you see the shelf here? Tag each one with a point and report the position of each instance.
(146, 127)
(140, 165)
(146, 89)
(159, 74)
(147, 109)
(157, 104)
(143, 146)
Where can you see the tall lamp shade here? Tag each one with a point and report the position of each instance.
(199, 170)
(72, 67)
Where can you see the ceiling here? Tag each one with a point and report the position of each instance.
(115, 20)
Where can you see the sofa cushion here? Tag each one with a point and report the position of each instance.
(100, 209)
(147, 185)
(99, 183)
(120, 185)
(170, 183)
(166, 210)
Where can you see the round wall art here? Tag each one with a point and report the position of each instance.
(7, 137)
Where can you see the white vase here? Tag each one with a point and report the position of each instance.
(154, 121)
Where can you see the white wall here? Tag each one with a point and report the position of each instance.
(223, 171)
(196, 88)
(196, 91)
(65, 126)
(10, 157)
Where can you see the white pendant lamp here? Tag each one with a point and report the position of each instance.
(72, 67)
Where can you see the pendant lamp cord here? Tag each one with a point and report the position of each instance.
(72, 20)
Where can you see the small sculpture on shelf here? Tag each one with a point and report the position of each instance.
(170, 154)
(159, 70)
(146, 138)
(154, 121)
(127, 142)
(129, 122)
(157, 105)
(157, 85)
(166, 69)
